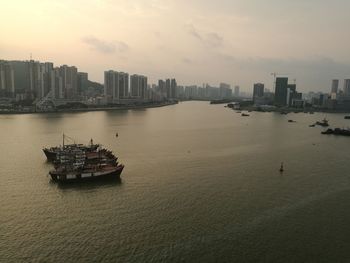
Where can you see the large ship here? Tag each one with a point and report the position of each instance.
(77, 163)
(52, 152)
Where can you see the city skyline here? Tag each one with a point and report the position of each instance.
(233, 42)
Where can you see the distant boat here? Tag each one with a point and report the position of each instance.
(116, 135)
(312, 125)
(291, 121)
(347, 117)
(337, 131)
(245, 115)
(323, 123)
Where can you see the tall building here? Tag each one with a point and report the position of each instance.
(161, 88)
(173, 86)
(258, 91)
(346, 87)
(225, 91)
(168, 88)
(236, 93)
(335, 85)
(7, 84)
(69, 81)
(57, 84)
(82, 82)
(138, 86)
(20, 79)
(281, 91)
(116, 86)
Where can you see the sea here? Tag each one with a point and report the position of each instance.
(201, 184)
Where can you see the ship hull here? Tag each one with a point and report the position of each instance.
(86, 176)
(50, 155)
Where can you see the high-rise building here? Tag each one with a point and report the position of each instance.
(236, 93)
(225, 91)
(346, 87)
(82, 82)
(335, 85)
(138, 86)
(258, 90)
(116, 86)
(173, 86)
(281, 91)
(56, 84)
(168, 88)
(291, 93)
(161, 88)
(69, 81)
(20, 79)
(7, 84)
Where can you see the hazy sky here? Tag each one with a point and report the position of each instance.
(199, 41)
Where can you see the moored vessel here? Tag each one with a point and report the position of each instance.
(78, 162)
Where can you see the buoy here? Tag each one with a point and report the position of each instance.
(116, 135)
(281, 169)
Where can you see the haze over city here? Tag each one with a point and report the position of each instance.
(237, 42)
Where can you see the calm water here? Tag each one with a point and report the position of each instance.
(201, 184)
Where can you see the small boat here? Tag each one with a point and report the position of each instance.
(245, 115)
(323, 123)
(347, 117)
(291, 121)
(312, 125)
(328, 131)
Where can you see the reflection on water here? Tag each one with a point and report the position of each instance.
(88, 185)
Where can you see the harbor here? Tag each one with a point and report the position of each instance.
(197, 179)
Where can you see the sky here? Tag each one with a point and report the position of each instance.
(239, 42)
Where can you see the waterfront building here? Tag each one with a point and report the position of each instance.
(225, 91)
(69, 76)
(138, 86)
(168, 88)
(346, 88)
(173, 86)
(82, 83)
(335, 85)
(7, 84)
(56, 84)
(258, 91)
(236, 93)
(116, 86)
(161, 88)
(281, 91)
(180, 92)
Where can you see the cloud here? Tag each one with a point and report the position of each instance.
(208, 39)
(104, 46)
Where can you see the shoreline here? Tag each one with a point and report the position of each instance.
(130, 107)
